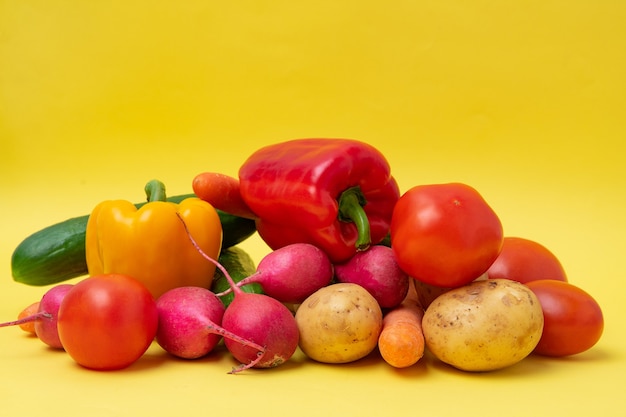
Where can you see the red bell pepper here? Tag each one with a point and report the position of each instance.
(337, 194)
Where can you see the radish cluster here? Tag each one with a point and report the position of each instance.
(258, 329)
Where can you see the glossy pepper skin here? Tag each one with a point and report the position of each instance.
(151, 244)
(337, 194)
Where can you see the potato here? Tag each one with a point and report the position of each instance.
(484, 326)
(339, 323)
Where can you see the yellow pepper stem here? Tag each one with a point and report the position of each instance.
(155, 191)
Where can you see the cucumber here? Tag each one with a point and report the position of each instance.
(239, 265)
(235, 229)
(57, 253)
(51, 255)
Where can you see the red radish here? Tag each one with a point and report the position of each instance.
(46, 318)
(291, 273)
(264, 320)
(258, 318)
(188, 318)
(189, 323)
(377, 271)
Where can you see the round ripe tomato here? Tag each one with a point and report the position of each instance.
(573, 320)
(445, 234)
(525, 260)
(107, 321)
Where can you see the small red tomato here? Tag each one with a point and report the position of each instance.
(573, 320)
(445, 234)
(107, 321)
(525, 260)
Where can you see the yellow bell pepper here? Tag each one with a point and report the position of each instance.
(150, 244)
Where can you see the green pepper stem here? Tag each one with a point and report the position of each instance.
(351, 204)
(155, 191)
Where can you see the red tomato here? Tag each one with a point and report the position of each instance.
(107, 321)
(525, 260)
(445, 234)
(573, 320)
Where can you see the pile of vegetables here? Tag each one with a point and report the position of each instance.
(355, 266)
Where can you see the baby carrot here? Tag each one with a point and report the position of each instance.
(222, 192)
(26, 318)
(401, 341)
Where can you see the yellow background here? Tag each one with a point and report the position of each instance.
(524, 100)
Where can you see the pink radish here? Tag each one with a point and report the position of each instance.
(291, 273)
(189, 323)
(266, 321)
(46, 317)
(377, 271)
(260, 319)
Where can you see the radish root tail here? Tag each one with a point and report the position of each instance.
(203, 253)
(224, 332)
(28, 319)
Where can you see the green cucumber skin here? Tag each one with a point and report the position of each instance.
(235, 229)
(57, 252)
(239, 265)
(51, 255)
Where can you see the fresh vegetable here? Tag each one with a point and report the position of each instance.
(257, 318)
(401, 340)
(573, 319)
(189, 323)
(336, 194)
(26, 324)
(235, 229)
(525, 260)
(445, 234)
(222, 192)
(107, 322)
(150, 243)
(45, 319)
(483, 326)
(339, 323)
(377, 271)
(46, 326)
(187, 319)
(264, 321)
(57, 252)
(239, 265)
(292, 273)
(51, 255)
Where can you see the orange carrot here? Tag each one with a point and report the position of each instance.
(222, 192)
(28, 326)
(401, 341)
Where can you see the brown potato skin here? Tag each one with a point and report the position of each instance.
(484, 326)
(339, 323)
